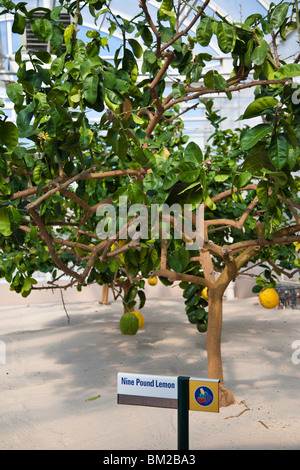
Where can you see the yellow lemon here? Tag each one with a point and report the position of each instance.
(269, 298)
(140, 318)
(204, 294)
(152, 281)
(118, 244)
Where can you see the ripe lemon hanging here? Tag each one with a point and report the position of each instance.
(117, 245)
(204, 294)
(140, 318)
(268, 298)
(152, 281)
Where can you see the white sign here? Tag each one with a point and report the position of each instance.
(159, 386)
(150, 390)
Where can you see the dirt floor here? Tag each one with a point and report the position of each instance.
(52, 368)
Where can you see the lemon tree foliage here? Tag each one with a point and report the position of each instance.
(57, 167)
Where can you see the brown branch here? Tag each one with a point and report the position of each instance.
(82, 176)
(297, 60)
(236, 247)
(207, 265)
(163, 255)
(59, 241)
(290, 275)
(111, 174)
(228, 274)
(248, 211)
(33, 190)
(123, 249)
(287, 231)
(49, 242)
(204, 91)
(142, 4)
(188, 28)
(59, 187)
(174, 276)
(275, 48)
(75, 198)
(227, 223)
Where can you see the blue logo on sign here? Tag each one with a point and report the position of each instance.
(204, 396)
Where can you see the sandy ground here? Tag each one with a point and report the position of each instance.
(53, 367)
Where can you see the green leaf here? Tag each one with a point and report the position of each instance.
(190, 290)
(169, 180)
(226, 37)
(179, 260)
(254, 135)
(244, 179)
(292, 158)
(55, 13)
(44, 56)
(68, 34)
(209, 79)
(93, 398)
(257, 107)
(142, 297)
(28, 281)
(109, 80)
(204, 31)
(150, 57)
(86, 137)
(220, 82)
(146, 35)
(152, 182)
(166, 8)
(178, 90)
(262, 192)
(208, 201)
(23, 120)
(57, 40)
(193, 153)
(90, 88)
(279, 15)
(5, 222)
(8, 134)
(221, 178)
(37, 173)
(129, 61)
(278, 151)
(19, 24)
(287, 71)
(114, 97)
(42, 29)
(135, 193)
(137, 119)
(259, 54)
(136, 47)
(188, 172)
(58, 65)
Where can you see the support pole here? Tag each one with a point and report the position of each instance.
(183, 413)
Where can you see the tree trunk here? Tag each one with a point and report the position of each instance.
(213, 343)
(215, 320)
(104, 299)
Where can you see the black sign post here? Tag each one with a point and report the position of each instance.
(183, 413)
